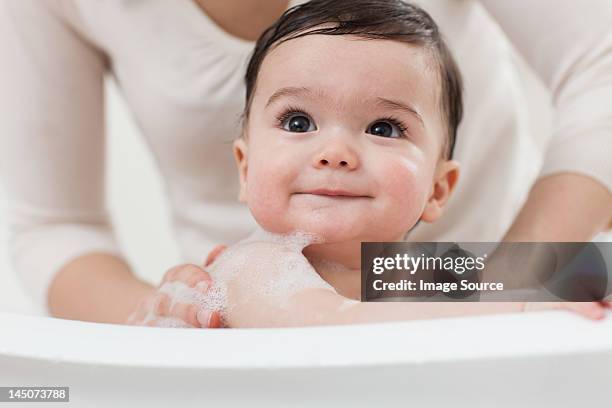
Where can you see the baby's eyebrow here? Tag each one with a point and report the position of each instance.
(289, 91)
(396, 105)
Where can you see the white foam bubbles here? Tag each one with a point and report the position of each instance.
(262, 268)
(266, 267)
(211, 298)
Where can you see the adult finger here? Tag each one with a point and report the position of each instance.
(186, 312)
(167, 322)
(592, 310)
(214, 254)
(185, 272)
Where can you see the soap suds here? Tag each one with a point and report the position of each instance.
(269, 266)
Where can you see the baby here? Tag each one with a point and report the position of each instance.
(351, 115)
(349, 128)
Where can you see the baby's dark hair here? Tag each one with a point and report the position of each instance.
(369, 19)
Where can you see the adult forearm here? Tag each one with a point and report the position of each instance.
(96, 287)
(324, 307)
(404, 311)
(563, 207)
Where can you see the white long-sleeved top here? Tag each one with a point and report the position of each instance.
(182, 77)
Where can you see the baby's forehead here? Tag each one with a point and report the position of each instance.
(351, 64)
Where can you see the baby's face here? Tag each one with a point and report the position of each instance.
(344, 139)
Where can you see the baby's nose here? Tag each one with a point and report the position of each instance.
(336, 158)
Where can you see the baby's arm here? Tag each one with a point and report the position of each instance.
(325, 307)
(319, 304)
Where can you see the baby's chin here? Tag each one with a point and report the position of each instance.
(327, 231)
(332, 225)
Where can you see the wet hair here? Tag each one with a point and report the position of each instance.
(369, 19)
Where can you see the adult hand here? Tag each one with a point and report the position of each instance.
(590, 310)
(159, 309)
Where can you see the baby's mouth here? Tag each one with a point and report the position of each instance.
(334, 193)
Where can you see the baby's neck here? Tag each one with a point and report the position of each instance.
(339, 264)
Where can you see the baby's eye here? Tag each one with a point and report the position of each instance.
(297, 122)
(388, 128)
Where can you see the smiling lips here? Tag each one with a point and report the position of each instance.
(334, 193)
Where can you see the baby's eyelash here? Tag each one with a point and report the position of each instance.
(288, 112)
(400, 125)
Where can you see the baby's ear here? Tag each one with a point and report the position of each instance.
(445, 181)
(240, 155)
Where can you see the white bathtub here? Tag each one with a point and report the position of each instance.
(538, 359)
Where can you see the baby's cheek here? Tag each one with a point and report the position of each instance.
(406, 187)
(266, 198)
